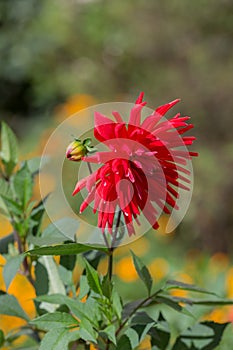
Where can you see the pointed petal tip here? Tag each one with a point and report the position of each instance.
(140, 98)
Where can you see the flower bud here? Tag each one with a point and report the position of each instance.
(76, 150)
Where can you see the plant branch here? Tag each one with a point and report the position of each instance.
(143, 302)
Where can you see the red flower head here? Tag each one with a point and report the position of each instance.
(143, 169)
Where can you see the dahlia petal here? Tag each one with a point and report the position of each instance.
(130, 229)
(135, 116)
(187, 128)
(118, 117)
(173, 191)
(151, 121)
(140, 98)
(164, 108)
(104, 127)
(79, 186)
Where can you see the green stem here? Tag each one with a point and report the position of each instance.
(110, 263)
(143, 302)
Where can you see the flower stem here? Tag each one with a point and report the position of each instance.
(110, 263)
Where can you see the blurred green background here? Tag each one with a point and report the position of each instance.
(57, 56)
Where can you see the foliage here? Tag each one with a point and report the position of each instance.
(89, 312)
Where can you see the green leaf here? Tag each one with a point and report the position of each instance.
(227, 339)
(52, 235)
(2, 338)
(34, 165)
(58, 339)
(133, 337)
(130, 307)
(142, 323)
(12, 206)
(143, 272)
(65, 249)
(54, 320)
(55, 283)
(217, 302)
(79, 309)
(4, 243)
(160, 334)
(41, 279)
(93, 279)
(169, 301)
(172, 284)
(9, 306)
(68, 261)
(110, 333)
(142, 318)
(204, 336)
(87, 332)
(9, 149)
(66, 277)
(83, 287)
(10, 269)
(116, 303)
(23, 185)
(4, 191)
(36, 217)
(107, 286)
(191, 301)
(57, 298)
(124, 343)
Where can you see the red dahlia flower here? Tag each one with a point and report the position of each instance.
(144, 168)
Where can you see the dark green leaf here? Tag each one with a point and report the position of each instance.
(142, 323)
(58, 339)
(124, 343)
(160, 334)
(94, 257)
(2, 338)
(41, 280)
(9, 306)
(4, 243)
(142, 318)
(143, 272)
(10, 269)
(191, 301)
(65, 249)
(107, 286)
(172, 284)
(180, 345)
(204, 336)
(68, 261)
(169, 301)
(54, 320)
(93, 278)
(130, 307)
(37, 216)
(9, 149)
(217, 302)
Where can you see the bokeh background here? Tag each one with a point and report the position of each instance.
(60, 56)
